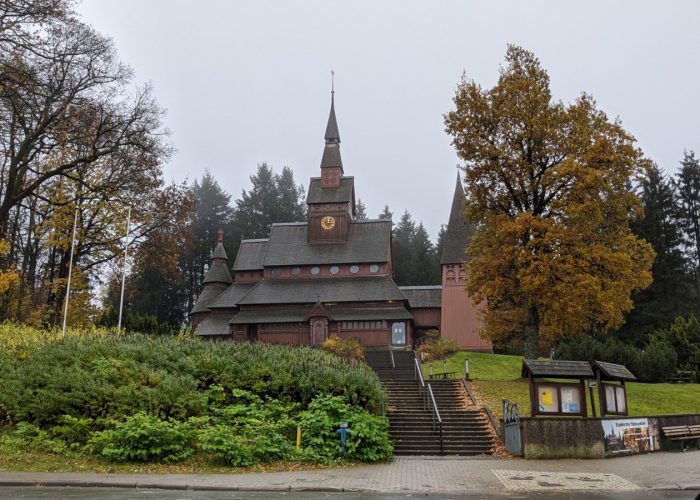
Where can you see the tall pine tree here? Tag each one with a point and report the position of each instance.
(687, 185)
(669, 293)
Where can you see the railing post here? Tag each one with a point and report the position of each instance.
(466, 368)
(444, 369)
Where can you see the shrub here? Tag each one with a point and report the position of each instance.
(108, 377)
(369, 439)
(350, 349)
(656, 363)
(143, 438)
(438, 349)
(238, 449)
(684, 336)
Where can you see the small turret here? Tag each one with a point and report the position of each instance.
(216, 280)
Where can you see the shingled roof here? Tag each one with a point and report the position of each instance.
(368, 242)
(215, 324)
(332, 133)
(342, 194)
(423, 296)
(611, 371)
(556, 368)
(459, 232)
(207, 297)
(331, 156)
(218, 273)
(219, 252)
(276, 316)
(310, 291)
(370, 314)
(230, 297)
(250, 255)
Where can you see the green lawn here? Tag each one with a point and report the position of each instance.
(497, 377)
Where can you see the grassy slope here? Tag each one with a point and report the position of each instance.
(497, 377)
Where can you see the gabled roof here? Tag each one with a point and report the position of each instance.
(311, 290)
(208, 295)
(556, 368)
(458, 231)
(230, 297)
(368, 242)
(611, 371)
(318, 311)
(218, 273)
(250, 255)
(423, 296)
(345, 193)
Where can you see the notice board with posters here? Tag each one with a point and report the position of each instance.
(627, 436)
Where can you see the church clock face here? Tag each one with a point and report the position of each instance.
(328, 222)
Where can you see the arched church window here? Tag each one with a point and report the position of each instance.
(462, 276)
(451, 277)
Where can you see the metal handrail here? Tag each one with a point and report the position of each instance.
(418, 374)
(436, 415)
(429, 400)
(391, 355)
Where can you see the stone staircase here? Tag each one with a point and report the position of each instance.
(465, 430)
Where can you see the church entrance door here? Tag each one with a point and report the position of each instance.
(318, 332)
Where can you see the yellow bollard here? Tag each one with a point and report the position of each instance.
(298, 437)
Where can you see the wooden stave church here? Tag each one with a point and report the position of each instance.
(332, 275)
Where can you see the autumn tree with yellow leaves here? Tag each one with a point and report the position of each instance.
(548, 187)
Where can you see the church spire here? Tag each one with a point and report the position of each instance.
(331, 152)
(332, 134)
(459, 231)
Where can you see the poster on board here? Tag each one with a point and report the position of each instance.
(630, 435)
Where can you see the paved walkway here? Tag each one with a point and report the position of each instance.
(419, 475)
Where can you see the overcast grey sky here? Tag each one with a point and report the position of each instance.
(248, 81)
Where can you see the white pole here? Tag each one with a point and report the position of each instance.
(126, 254)
(70, 273)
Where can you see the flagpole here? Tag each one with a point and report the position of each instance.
(70, 272)
(126, 254)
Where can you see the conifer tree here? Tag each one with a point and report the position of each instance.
(687, 185)
(671, 291)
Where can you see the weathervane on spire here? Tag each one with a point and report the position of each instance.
(332, 82)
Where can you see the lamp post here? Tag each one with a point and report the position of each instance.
(70, 273)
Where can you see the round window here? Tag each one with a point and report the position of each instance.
(315, 270)
(373, 268)
(354, 269)
(276, 271)
(335, 269)
(296, 271)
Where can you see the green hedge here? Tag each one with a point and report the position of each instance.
(111, 377)
(154, 398)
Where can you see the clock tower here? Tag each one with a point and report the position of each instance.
(331, 198)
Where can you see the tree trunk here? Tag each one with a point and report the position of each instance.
(532, 329)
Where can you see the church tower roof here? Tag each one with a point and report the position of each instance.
(218, 272)
(332, 134)
(331, 151)
(459, 231)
